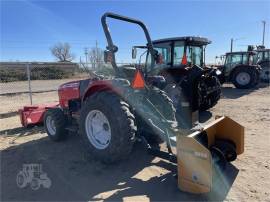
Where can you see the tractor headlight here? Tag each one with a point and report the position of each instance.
(218, 72)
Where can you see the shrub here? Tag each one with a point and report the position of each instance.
(106, 71)
(12, 75)
(45, 73)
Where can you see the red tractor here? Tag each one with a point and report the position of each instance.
(110, 114)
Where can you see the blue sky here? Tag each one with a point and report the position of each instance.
(30, 28)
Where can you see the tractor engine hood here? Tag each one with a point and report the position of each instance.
(68, 85)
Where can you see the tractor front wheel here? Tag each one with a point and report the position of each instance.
(107, 127)
(55, 123)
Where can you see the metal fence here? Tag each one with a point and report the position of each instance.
(33, 83)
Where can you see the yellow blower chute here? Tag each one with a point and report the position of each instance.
(199, 153)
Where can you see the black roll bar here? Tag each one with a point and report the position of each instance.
(111, 47)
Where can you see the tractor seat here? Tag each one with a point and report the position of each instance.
(83, 86)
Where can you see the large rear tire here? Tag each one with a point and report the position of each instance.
(209, 100)
(107, 127)
(55, 123)
(244, 77)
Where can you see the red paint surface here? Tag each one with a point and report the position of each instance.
(33, 114)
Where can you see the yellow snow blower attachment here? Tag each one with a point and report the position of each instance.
(200, 153)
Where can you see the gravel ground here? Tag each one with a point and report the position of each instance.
(141, 177)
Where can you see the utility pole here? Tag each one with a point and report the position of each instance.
(97, 59)
(216, 60)
(29, 82)
(233, 40)
(231, 45)
(86, 54)
(264, 22)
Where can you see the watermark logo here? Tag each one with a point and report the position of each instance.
(32, 175)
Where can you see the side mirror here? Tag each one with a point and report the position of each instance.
(108, 57)
(134, 53)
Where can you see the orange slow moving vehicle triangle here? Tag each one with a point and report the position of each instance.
(138, 81)
(184, 59)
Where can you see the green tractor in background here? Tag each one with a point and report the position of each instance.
(240, 69)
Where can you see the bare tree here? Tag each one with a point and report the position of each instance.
(95, 56)
(62, 52)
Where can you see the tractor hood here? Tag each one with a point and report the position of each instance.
(71, 84)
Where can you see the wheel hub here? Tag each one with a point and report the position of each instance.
(243, 78)
(50, 124)
(98, 129)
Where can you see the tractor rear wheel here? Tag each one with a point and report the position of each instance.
(107, 127)
(55, 123)
(244, 78)
(165, 106)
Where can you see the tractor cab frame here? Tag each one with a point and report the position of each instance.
(233, 59)
(262, 58)
(180, 51)
(263, 54)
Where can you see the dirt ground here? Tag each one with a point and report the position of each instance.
(13, 95)
(36, 85)
(11, 103)
(142, 177)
